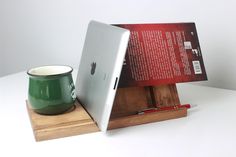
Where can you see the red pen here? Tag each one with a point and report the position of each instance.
(165, 108)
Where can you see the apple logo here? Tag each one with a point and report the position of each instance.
(93, 68)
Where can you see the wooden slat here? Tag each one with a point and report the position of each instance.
(129, 101)
(65, 131)
(166, 95)
(146, 118)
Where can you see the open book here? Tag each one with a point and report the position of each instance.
(162, 54)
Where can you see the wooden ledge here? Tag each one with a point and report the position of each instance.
(146, 118)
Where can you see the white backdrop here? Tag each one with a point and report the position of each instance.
(39, 32)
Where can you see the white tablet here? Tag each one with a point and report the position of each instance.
(99, 70)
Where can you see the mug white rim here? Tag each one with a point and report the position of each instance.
(50, 70)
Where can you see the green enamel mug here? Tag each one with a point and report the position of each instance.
(51, 89)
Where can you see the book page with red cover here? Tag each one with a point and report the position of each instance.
(162, 54)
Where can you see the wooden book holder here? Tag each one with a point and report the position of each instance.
(126, 108)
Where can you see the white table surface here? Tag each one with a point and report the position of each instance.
(208, 130)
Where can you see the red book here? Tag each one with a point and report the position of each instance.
(162, 54)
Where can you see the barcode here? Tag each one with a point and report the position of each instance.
(187, 45)
(197, 67)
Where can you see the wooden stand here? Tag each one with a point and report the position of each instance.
(128, 102)
(74, 122)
